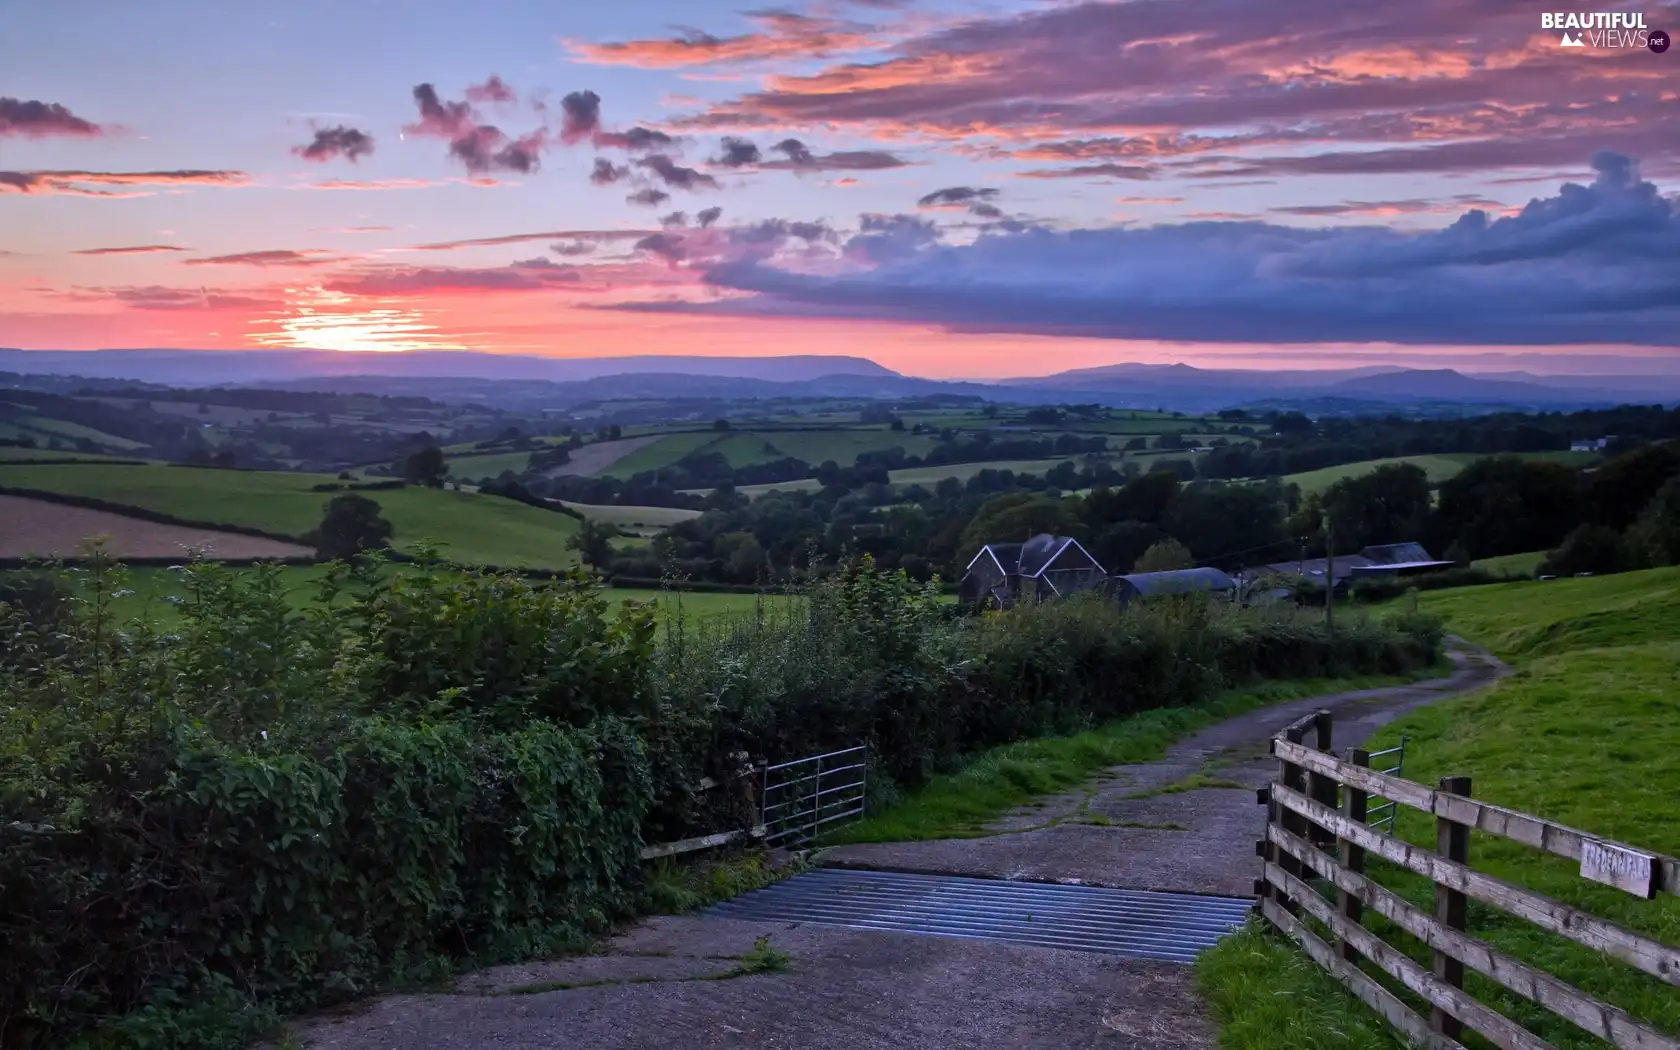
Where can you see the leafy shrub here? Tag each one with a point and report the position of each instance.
(252, 808)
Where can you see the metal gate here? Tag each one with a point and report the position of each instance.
(802, 796)
(1383, 816)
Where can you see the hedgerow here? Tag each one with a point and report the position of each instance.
(247, 808)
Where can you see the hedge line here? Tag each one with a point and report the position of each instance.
(462, 766)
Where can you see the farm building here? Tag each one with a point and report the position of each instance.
(1044, 567)
(1172, 582)
(1381, 561)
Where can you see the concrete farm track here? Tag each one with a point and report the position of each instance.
(668, 982)
(30, 527)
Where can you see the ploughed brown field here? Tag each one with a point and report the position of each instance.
(30, 527)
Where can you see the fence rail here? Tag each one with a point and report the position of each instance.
(1318, 800)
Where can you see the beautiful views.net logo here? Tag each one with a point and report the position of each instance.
(1605, 29)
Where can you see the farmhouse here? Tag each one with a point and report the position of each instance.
(1173, 582)
(1590, 444)
(1044, 567)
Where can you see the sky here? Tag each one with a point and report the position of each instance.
(959, 189)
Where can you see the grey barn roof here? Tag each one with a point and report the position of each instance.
(1397, 554)
(1179, 581)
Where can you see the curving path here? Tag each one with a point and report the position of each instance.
(679, 981)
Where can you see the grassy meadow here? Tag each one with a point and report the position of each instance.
(1584, 733)
(1439, 468)
(467, 527)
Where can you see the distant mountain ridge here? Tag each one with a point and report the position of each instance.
(221, 367)
(539, 382)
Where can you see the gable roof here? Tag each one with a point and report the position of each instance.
(1032, 558)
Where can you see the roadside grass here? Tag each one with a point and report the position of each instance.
(960, 804)
(1584, 733)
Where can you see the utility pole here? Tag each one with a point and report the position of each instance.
(1330, 577)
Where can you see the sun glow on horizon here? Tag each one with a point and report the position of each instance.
(323, 320)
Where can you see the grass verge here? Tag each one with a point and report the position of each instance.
(1584, 733)
(961, 803)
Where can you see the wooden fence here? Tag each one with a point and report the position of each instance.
(1317, 804)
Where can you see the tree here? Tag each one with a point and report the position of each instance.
(352, 524)
(1619, 491)
(1655, 538)
(1594, 549)
(425, 467)
(720, 425)
(1505, 505)
(1119, 546)
(1228, 525)
(594, 543)
(896, 425)
(1388, 505)
(1164, 556)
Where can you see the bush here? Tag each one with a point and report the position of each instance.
(1595, 549)
(264, 808)
(281, 810)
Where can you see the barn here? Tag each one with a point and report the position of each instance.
(1044, 567)
(1174, 582)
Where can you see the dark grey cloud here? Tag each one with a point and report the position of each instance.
(957, 195)
(708, 216)
(34, 119)
(774, 231)
(573, 249)
(479, 147)
(738, 153)
(985, 211)
(667, 247)
(1135, 172)
(673, 174)
(649, 197)
(676, 218)
(1595, 264)
(634, 140)
(606, 172)
(800, 157)
(350, 143)
(580, 116)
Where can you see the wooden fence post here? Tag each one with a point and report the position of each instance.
(1452, 841)
(1291, 776)
(1321, 788)
(1354, 803)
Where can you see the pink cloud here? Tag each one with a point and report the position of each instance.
(77, 183)
(781, 35)
(278, 257)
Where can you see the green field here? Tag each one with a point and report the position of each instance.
(637, 518)
(469, 528)
(1585, 734)
(1439, 468)
(489, 465)
(844, 446)
(12, 453)
(1512, 564)
(657, 455)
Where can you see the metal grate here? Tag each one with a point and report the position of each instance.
(802, 796)
(1133, 923)
(1382, 816)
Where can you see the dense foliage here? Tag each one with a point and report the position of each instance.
(245, 806)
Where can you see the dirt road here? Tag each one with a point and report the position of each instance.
(679, 981)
